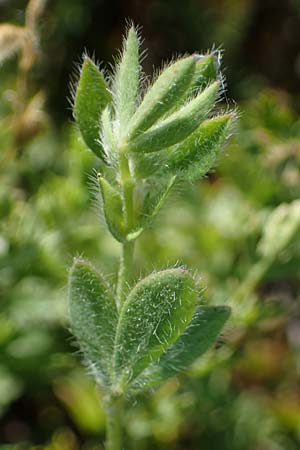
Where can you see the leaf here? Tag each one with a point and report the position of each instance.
(206, 72)
(196, 155)
(166, 92)
(198, 337)
(93, 317)
(12, 38)
(193, 157)
(92, 96)
(127, 80)
(154, 315)
(113, 210)
(177, 126)
(108, 139)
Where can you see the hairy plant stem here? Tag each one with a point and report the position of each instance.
(114, 405)
(114, 413)
(126, 258)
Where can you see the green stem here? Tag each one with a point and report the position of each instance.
(126, 259)
(127, 188)
(125, 268)
(114, 413)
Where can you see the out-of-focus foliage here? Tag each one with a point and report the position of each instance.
(245, 394)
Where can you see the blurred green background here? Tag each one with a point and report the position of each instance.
(238, 229)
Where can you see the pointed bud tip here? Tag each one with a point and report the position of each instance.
(132, 33)
(208, 59)
(89, 64)
(223, 117)
(78, 260)
(132, 29)
(228, 119)
(87, 59)
(215, 88)
(197, 57)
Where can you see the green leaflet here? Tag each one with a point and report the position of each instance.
(198, 337)
(127, 80)
(93, 316)
(162, 96)
(179, 125)
(113, 210)
(206, 72)
(196, 155)
(156, 312)
(193, 157)
(107, 136)
(92, 95)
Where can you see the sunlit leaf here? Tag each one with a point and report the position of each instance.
(156, 312)
(127, 80)
(93, 316)
(198, 337)
(112, 207)
(92, 96)
(206, 72)
(166, 92)
(179, 125)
